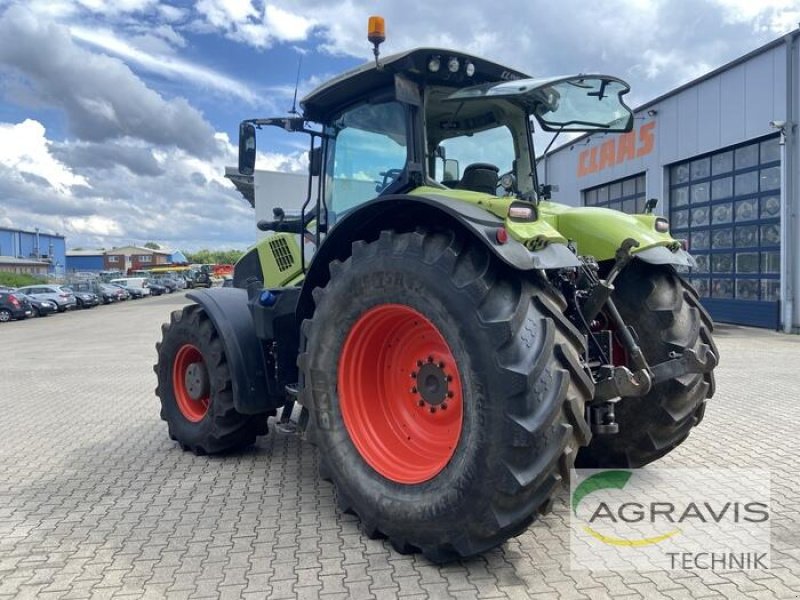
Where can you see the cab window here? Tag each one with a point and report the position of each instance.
(369, 154)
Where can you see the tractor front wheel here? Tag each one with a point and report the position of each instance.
(194, 385)
(446, 391)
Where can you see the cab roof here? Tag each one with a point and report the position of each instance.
(332, 96)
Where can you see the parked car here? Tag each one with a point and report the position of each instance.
(169, 282)
(111, 293)
(41, 308)
(61, 295)
(95, 287)
(122, 293)
(86, 299)
(133, 283)
(156, 289)
(14, 306)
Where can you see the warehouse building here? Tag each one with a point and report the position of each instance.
(720, 153)
(35, 246)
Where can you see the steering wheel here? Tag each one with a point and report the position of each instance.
(389, 177)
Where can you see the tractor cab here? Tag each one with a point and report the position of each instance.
(434, 118)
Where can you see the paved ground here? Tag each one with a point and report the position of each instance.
(96, 501)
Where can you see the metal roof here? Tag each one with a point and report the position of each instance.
(352, 85)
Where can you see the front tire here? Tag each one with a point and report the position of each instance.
(666, 313)
(194, 386)
(416, 320)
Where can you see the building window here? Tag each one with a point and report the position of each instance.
(727, 205)
(113, 259)
(627, 195)
(145, 258)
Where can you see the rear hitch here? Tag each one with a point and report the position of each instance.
(602, 419)
(619, 382)
(686, 362)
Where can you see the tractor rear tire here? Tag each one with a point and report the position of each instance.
(194, 385)
(446, 392)
(665, 312)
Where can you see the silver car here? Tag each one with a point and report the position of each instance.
(62, 296)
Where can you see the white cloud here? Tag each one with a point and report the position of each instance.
(256, 24)
(169, 66)
(24, 147)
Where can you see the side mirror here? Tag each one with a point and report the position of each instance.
(315, 161)
(451, 170)
(247, 148)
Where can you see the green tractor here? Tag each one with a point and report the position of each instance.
(458, 342)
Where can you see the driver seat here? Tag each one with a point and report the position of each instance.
(480, 177)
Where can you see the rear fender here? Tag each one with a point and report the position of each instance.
(599, 232)
(229, 311)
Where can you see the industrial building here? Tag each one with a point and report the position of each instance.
(721, 155)
(35, 247)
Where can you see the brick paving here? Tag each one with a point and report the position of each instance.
(97, 502)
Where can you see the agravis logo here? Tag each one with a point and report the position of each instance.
(610, 480)
(670, 518)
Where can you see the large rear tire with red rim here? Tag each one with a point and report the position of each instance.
(194, 386)
(446, 392)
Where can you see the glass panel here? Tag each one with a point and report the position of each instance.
(371, 141)
(770, 207)
(770, 290)
(722, 263)
(680, 219)
(722, 188)
(590, 197)
(770, 151)
(747, 156)
(629, 206)
(770, 262)
(747, 210)
(701, 286)
(701, 168)
(721, 238)
(614, 191)
(702, 263)
(699, 193)
(747, 262)
(770, 235)
(680, 196)
(747, 236)
(629, 187)
(722, 213)
(746, 183)
(770, 179)
(641, 185)
(722, 163)
(747, 289)
(699, 240)
(722, 288)
(640, 202)
(602, 194)
(680, 174)
(699, 216)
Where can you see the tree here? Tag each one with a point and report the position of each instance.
(152, 246)
(216, 257)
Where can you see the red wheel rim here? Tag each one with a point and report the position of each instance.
(400, 394)
(190, 383)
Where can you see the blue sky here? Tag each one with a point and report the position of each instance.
(117, 118)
